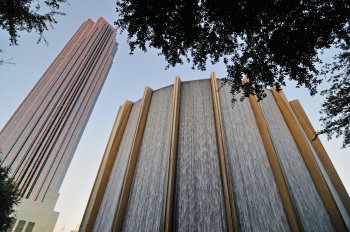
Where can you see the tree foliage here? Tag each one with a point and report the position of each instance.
(268, 40)
(9, 197)
(336, 107)
(28, 15)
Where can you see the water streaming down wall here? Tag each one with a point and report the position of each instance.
(337, 198)
(307, 200)
(252, 179)
(147, 195)
(104, 221)
(197, 176)
(331, 187)
(199, 198)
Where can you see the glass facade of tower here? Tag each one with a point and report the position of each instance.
(40, 139)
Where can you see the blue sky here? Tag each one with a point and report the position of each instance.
(126, 80)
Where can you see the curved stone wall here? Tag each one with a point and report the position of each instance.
(183, 158)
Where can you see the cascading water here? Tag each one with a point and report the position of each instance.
(109, 204)
(312, 212)
(146, 199)
(259, 205)
(199, 202)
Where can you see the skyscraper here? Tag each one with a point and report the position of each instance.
(39, 140)
(183, 158)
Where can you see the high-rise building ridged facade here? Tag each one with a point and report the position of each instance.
(40, 139)
(184, 158)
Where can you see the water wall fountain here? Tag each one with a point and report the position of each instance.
(184, 158)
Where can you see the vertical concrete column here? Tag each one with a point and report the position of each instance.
(168, 210)
(127, 183)
(286, 198)
(321, 152)
(106, 166)
(231, 215)
(310, 162)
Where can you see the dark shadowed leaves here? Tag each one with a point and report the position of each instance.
(9, 197)
(28, 15)
(336, 107)
(267, 40)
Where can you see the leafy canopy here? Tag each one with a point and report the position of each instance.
(9, 197)
(267, 40)
(28, 15)
(336, 107)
